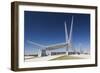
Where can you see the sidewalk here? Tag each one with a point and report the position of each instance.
(46, 58)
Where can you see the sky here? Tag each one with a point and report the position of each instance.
(47, 28)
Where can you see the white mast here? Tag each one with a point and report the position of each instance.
(66, 32)
(71, 29)
(66, 37)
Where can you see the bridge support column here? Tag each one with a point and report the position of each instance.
(66, 50)
(49, 53)
(39, 53)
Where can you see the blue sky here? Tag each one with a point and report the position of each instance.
(48, 28)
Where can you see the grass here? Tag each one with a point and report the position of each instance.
(66, 58)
